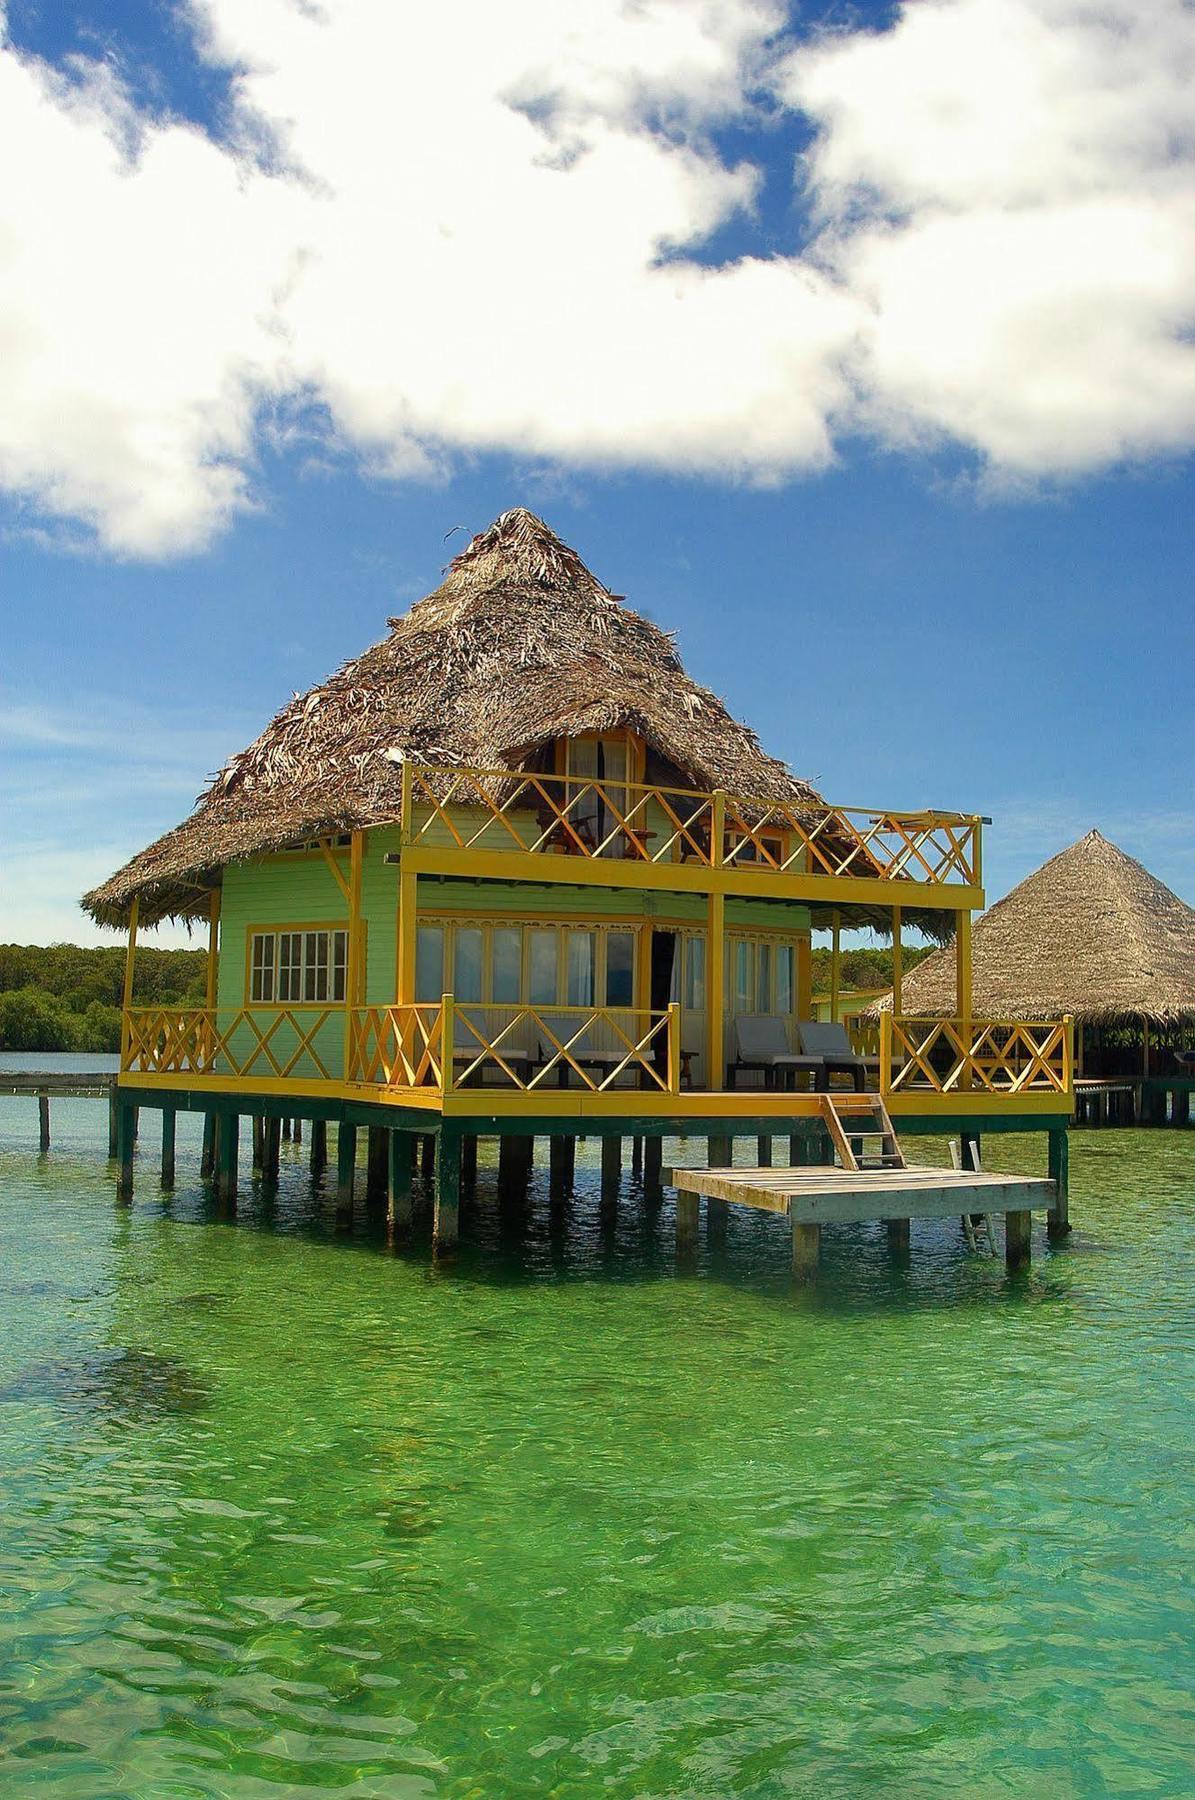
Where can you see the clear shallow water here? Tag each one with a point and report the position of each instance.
(286, 1514)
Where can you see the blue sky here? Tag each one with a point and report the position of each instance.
(956, 574)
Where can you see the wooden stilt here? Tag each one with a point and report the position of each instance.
(169, 1118)
(1058, 1219)
(807, 1244)
(271, 1149)
(763, 1149)
(1180, 1107)
(207, 1156)
(319, 1145)
(346, 1170)
(446, 1219)
(124, 1153)
(719, 1152)
(377, 1160)
(562, 1163)
(400, 1210)
(257, 1126)
(687, 1215)
(43, 1122)
(112, 1110)
(611, 1167)
(636, 1156)
(428, 1160)
(514, 1164)
(227, 1151)
(898, 1236)
(1017, 1239)
(297, 1131)
(653, 1163)
(469, 1160)
(286, 1130)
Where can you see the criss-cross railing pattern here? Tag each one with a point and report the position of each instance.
(397, 1046)
(999, 1056)
(533, 1047)
(277, 1042)
(504, 809)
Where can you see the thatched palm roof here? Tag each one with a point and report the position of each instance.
(519, 645)
(1091, 933)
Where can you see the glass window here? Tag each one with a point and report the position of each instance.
(620, 968)
(763, 978)
(542, 972)
(507, 979)
(741, 962)
(466, 963)
(579, 949)
(261, 981)
(290, 966)
(784, 978)
(694, 991)
(429, 962)
(340, 957)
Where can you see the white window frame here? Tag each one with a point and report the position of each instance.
(304, 956)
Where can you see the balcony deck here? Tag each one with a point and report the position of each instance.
(508, 825)
(458, 1061)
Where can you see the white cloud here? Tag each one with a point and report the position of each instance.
(461, 227)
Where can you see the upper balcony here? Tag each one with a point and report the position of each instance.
(515, 824)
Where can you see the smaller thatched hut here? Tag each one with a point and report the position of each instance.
(1091, 933)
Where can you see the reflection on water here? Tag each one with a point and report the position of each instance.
(287, 1513)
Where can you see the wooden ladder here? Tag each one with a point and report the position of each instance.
(852, 1118)
(977, 1227)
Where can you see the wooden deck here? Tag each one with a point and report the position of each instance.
(813, 1197)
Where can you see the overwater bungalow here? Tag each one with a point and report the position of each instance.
(1094, 935)
(513, 873)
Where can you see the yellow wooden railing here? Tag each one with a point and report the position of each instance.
(458, 1044)
(995, 1056)
(490, 809)
(277, 1042)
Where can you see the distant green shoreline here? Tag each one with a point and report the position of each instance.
(67, 996)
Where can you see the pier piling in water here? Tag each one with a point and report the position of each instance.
(169, 1120)
(446, 1218)
(401, 1161)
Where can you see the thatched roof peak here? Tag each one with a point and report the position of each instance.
(1091, 933)
(519, 645)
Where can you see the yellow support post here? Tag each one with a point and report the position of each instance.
(408, 900)
(1068, 1053)
(897, 968)
(213, 951)
(352, 973)
(673, 1048)
(962, 988)
(885, 1052)
(715, 978)
(804, 995)
(447, 1046)
(835, 962)
(130, 956)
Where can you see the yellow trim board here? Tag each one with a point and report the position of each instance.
(541, 869)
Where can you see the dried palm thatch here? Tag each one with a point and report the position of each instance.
(1091, 933)
(518, 646)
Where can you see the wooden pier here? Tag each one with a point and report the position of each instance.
(78, 1085)
(813, 1197)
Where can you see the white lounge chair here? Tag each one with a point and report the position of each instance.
(761, 1042)
(828, 1040)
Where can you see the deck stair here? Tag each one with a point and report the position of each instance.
(856, 1123)
(977, 1227)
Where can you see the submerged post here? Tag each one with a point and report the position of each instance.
(227, 1148)
(1018, 1242)
(207, 1156)
(169, 1118)
(807, 1244)
(1058, 1219)
(124, 1152)
(43, 1122)
(400, 1211)
(611, 1167)
(319, 1145)
(446, 1218)
(346, 1168)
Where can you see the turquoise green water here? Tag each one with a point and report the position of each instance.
(285, 1514)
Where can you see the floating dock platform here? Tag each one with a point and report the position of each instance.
(813, 1197)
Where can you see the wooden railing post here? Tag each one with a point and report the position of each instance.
(886, 1019)
(1068, 1054)
(674, 1057)
(447, 1021)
